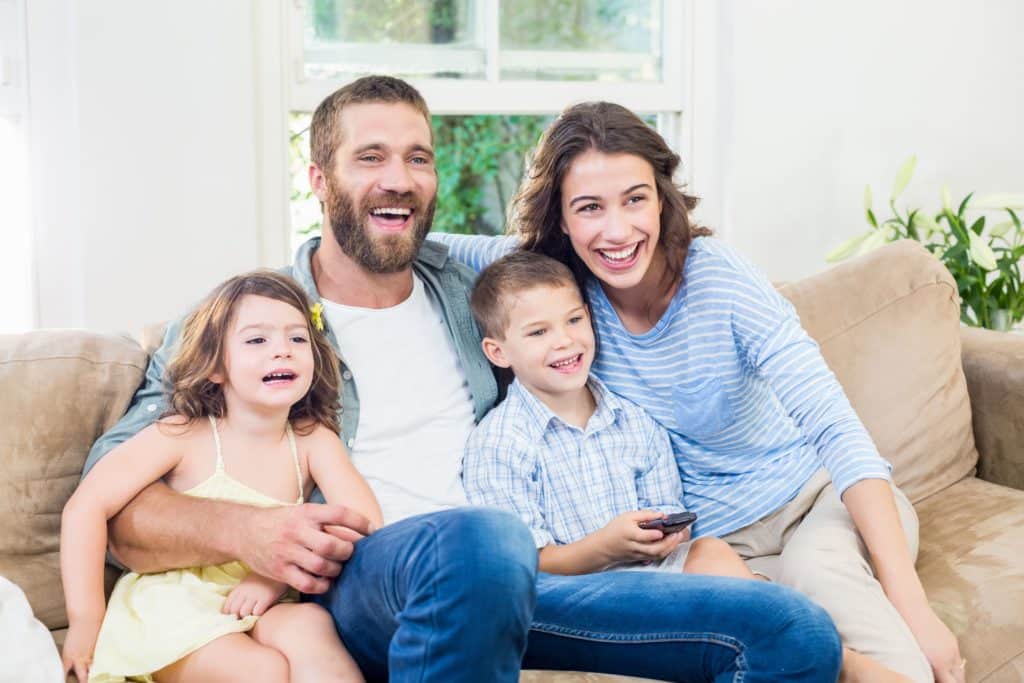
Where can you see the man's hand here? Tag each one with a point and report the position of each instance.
(622, 539)
(78, 648)
(254, 595)
(938, 644)
(300, 545)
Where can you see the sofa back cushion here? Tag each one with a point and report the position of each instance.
(889, 327)
(62, 389)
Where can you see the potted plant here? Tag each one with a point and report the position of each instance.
(984, 258)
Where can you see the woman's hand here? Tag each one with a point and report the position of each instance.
(938, 644)
(622, 539)
(78, 648)
(254, 595)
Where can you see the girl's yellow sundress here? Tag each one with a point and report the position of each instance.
(153, 620)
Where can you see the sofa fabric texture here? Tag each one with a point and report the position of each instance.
(888, 326)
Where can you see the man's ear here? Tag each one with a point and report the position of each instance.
(493, 351)
(318, 182)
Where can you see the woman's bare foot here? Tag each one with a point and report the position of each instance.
(858, 668)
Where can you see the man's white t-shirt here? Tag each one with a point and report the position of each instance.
(415, 409)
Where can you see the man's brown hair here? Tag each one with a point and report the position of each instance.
(510, 275)
(200, 354)
(325, 129)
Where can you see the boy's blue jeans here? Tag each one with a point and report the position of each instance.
(450, 596)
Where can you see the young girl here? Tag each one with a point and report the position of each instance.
(253, 396)
(772, 456)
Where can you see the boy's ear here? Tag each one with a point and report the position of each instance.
(493, 351)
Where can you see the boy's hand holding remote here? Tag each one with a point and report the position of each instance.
(618, 542)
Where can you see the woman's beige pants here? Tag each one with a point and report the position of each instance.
(812, 545)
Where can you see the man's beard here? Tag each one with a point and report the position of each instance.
(385, 253)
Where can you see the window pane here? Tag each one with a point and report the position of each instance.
(480, 160)
(606, 40)
(409, 38)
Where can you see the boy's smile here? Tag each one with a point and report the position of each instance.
(549, 342)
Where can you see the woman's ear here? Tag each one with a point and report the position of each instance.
(493, 351)
(562, 224)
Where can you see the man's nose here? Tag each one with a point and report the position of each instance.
(396, 177)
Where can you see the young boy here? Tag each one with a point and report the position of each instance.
(581, 467)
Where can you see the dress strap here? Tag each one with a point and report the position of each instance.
(216, 442)
(295, 457)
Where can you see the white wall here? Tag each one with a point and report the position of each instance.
(818, 98)
(143, 154)
(147, 136)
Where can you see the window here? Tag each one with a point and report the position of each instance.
(496, 72)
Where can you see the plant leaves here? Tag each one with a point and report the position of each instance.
(903, 177)
(867, 198)
(847, 248)
(947, 201)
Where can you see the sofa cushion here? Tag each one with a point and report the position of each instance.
(889, 327)
(972, 536)
(62, 389)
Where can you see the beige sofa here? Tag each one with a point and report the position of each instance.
(945, 404)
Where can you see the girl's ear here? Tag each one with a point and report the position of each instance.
(217, 377)
(492, 349)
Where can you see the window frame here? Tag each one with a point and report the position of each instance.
(283, 87)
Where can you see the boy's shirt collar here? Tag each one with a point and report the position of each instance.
(540, 415)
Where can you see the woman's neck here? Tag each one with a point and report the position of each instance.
(640, 307)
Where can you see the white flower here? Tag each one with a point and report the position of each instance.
(1003, 200)
(903, 177)
(981, 253)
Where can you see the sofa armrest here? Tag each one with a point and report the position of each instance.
(994, 366)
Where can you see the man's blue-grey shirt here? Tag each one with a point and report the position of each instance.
(446, 282)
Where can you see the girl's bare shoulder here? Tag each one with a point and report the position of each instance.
(177, 428)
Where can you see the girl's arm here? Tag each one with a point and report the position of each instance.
(114, 481)
(338, 479)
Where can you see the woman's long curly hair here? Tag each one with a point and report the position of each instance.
(535, 213)
(200, 354)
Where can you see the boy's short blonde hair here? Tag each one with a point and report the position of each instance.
(510, 275)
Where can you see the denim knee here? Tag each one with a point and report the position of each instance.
(809, 631)
(488, 542)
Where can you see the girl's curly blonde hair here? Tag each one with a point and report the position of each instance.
(200, 354)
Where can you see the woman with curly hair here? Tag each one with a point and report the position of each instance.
(772, 457)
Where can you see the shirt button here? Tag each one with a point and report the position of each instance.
(346, 375)
(151, 407)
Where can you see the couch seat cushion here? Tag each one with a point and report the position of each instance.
(972, 543)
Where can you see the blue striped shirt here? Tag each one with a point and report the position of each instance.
(565, 482)
(750, 406)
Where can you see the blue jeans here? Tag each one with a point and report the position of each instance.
(449, 597)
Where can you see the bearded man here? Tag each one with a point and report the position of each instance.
(443, 592)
